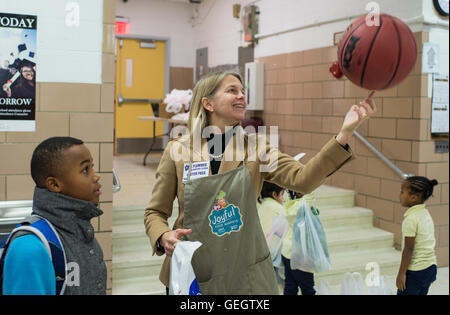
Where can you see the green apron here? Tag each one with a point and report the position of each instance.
(234, 258)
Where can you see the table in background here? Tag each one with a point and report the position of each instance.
(154, 120)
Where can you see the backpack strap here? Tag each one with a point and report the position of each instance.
(49, 237)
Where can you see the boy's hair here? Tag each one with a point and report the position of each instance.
(268, 189)
(47, 158)
(421, 186)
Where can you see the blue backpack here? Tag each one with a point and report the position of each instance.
(41, 228)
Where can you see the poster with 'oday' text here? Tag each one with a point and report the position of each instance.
(18, 72)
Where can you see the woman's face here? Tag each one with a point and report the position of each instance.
(28, 73)
(228, 105)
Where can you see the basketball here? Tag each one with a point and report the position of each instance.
(377, 56)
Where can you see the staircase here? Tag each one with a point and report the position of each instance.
(353, 242)
(135, 271)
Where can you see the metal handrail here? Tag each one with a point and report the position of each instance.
(388, 162)
(12, 213)
(116, 182)
(153, 102)
(122, 100)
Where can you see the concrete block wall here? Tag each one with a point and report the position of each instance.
(309, 104)
(84, 111)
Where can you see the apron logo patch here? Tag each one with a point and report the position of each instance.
(224, 218)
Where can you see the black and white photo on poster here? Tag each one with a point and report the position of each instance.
(17, 72)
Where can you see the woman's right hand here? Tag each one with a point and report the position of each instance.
(170, 238)
(354, 117)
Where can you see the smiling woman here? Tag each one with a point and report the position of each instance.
(228, 105)
(206, 99)
(220, 211)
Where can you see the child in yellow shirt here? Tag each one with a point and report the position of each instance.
(418, 266)
(295, 278)
(270, 205)
(270, 208)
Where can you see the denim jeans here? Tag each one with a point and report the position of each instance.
(418, 282)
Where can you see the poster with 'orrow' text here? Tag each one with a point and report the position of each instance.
(17, 72)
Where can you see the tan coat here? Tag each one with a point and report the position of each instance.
(286, 172)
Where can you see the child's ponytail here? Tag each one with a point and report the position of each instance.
(422, 186)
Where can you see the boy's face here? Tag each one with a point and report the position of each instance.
(78, 178)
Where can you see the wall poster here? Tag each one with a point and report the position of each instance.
(439, 105)
(17, 72)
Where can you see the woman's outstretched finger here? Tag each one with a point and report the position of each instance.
(370, 101)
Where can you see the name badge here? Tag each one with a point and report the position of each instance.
(199, 170)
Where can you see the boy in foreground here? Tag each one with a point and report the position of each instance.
(66, 195)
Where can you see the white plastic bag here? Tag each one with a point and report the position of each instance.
(384, 287)
(323, 288)
(352, 284)
(275, 236)
(182, 277)
(309, 244)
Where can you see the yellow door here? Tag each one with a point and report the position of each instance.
(139, 75)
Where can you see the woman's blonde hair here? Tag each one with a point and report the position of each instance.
(206, 87)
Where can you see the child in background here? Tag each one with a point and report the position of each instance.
(294, 278)
(67, 194)
(418, 266)
(270, 205)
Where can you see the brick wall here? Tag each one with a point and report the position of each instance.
(308, 105)
(84, 111)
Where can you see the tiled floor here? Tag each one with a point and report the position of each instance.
(136, 188)
(136, 180)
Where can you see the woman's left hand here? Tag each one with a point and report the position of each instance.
(354, 118)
